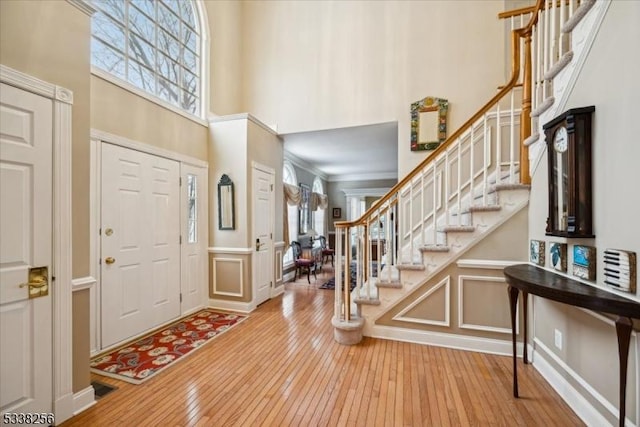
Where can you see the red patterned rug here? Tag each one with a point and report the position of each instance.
(138, 361)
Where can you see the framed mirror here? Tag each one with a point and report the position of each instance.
(226, 207)
(428, 123)
(304, 217)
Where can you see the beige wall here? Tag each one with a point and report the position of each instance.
(81, 316)
(311, 65)
(50, 40)
(225, 27)
(609, 80)
(120, 112)
(228, 155)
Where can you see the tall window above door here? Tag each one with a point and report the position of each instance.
(154, 46)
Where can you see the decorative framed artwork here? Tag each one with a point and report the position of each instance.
(620, 269)
(584, 262)
(337, 212)
(558, 256)
(536, 252)
(428, 123)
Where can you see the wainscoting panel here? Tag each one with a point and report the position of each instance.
(431, 308)
(483, 304)
(228, 276)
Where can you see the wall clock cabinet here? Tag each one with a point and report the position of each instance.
(568, 138)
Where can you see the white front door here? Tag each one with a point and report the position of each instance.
(140, 242)
(26, 244)
(263, 206)
(195, 232)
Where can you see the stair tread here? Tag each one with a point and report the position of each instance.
(485, 208)
(435, 248)
(458, 228)
(410, 267)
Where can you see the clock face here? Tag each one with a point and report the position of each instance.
(560, 140)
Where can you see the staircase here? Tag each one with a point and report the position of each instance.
(472, 183)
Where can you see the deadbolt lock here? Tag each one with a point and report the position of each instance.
(108, 231)
(38, 283)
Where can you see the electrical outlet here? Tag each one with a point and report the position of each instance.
(558, 339)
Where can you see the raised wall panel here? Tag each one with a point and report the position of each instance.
(228, 277)
(431, 308)
(483, 304)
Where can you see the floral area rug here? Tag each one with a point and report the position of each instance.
(140, 360)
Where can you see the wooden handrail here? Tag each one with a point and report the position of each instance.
(516, 12)
(515, 74)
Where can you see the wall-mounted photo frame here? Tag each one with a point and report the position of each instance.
(337, 212)
(226, 204)
(428, 123)
(584, 262)
(558, 256)
(536, 252)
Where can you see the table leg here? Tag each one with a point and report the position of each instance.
(513, 303)
(623, 330)
(525, 354)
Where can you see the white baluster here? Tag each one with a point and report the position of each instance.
(484, 162)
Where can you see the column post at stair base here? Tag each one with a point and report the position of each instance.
(348, 332)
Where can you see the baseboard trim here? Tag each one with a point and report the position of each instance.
(242, 307)
(279, 290)
(439, 339)
(568, 392)
(83, 400)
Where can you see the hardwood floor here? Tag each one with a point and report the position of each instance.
(283, 367)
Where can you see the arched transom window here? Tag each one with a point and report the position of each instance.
(154, 45)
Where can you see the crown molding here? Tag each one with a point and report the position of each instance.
(303, 164)
(364, 177)
(84, 6)
(243, 116)
(365, 192)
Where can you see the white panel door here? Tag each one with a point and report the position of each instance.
(26, 242)
(262, 234)
(140, 251)
(194, 203)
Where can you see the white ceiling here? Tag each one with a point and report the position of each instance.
(348, 154)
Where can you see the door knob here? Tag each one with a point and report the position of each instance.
(109, 260)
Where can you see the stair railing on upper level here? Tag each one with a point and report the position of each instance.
(462, 173)
(550, 43)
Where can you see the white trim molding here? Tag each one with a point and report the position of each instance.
(303, 164)
(439, 339)
(242, 116)
(62, 336)
(146, 148)
(214, 263)
(84, 399)
(363, 177)
(447, 297)
(365, 192)
(241, 307)
(485, 263)
(82, 283)
(236, 251)
(486, 328)
(572, 396)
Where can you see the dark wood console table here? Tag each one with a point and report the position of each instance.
(545, 284)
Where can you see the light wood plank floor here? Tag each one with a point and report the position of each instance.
(282, 367)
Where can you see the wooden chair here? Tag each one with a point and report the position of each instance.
(326, 251)
(302, 263)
